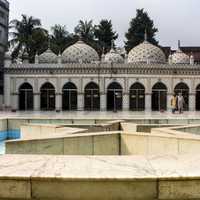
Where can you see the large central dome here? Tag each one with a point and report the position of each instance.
(79, 52)
(146, 52)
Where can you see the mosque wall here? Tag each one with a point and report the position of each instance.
(13, 83)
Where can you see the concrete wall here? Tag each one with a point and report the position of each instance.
(150, 144)
(107, 144)
(88, 144)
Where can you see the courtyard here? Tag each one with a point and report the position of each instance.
(113, 155)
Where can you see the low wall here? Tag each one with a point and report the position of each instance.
(157, 144)
(81, 144)
(39, 131)
(3, 129)
(145, 128)
(108, 143)
(35, 177)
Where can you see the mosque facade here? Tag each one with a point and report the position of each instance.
(143, 80)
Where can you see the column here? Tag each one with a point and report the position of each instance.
(7, 91)
(169, 97)
(192, 102)
(14, 98)
(148, 102)
(126, 102)
(103, 101)
(80, 101)
(36, 101)
(58, 101)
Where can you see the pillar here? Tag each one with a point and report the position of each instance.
(126, 102)
(80, 101)
(7, 91)
(192, 102)
(14, 98)
(169, 97)
(103, 101)
(148, 102)
(36, 101)
(58, 101)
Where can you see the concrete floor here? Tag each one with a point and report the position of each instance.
(102, 115)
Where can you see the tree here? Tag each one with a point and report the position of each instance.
(105, 34)
(60, 38)
(24, 34)
(138, 25)
(85, 29)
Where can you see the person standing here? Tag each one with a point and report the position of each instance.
(173, 103)
(180, 101)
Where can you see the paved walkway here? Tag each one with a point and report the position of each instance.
(101, 115)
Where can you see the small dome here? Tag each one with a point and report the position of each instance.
(180, 58)
(114, 57)
(47, 57)
(146, 51)
(79, 52)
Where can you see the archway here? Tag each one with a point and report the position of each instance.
(26, 97)
(198, 98)
(69, 97)
(137, 97)
(92, 97)
(184, 90)
(47, 97)
(114, 97)
(159, 97)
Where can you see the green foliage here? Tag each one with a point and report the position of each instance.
(105, 34)
(85, 30)
(60, 38)
(26, 35)
(135, 34)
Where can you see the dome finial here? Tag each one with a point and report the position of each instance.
(145, 35)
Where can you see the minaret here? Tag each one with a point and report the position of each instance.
(25, 57)
(103, 55)
(170, 59)
(7, 59)
(36, 58)
(191, 59)
(59, 58)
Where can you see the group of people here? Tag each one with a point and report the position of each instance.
(177, 103)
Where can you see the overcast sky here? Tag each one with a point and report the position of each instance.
(175, 19)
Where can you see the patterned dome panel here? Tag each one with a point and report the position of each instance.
(79, 52)
(180, 58)
(48, 57)
(145, 51)
(113, 57)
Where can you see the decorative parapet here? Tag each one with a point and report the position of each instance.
(98, 69)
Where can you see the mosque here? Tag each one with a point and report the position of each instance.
(143, 80)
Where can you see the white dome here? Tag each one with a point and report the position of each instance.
(79, 52)
(114, 57)
(47, 57)
(180, 58)
(146, 51)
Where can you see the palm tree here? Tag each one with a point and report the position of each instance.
(85, 29)
(22, 34)
(60, 38)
